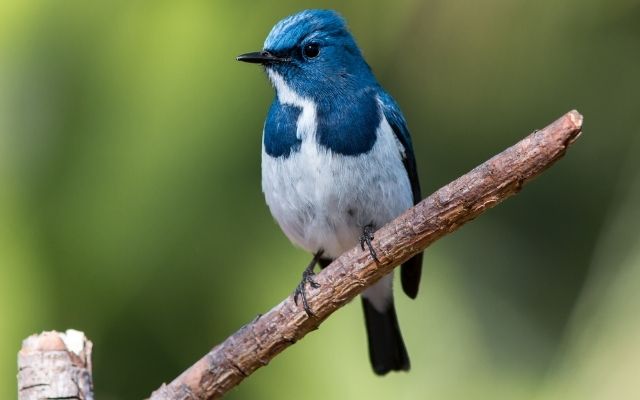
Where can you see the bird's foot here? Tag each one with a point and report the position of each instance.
(366, 238)
(307, 277)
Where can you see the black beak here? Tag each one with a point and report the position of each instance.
(260, 57)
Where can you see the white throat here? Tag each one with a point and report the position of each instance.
(307, 121)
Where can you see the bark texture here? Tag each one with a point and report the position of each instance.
(55, 365)
(256, 343)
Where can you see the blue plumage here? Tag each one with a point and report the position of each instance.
(337, 160)
(306, 25)
(280, 138)
(393, 114)
(348, 125)
(344, 127)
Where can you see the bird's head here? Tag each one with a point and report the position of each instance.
(314, 54)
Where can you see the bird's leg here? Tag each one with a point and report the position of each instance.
(366, 238)
(307, 277)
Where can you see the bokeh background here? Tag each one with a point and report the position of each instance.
(130, 202)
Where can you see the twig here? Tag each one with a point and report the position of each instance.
(55, 365)
(255, 344)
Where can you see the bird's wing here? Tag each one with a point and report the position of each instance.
(411, 270)
(395, 118)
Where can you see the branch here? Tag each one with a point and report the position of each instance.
(55, 365)
(462, 200)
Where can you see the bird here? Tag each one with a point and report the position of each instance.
(337, 162)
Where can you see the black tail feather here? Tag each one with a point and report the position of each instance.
(410, 275)
(386, 347)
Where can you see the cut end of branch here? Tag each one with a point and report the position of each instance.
(67, 355)
(70, 340)
(576, 119)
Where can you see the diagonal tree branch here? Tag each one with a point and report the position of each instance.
(256, 343)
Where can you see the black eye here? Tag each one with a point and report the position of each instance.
(311, 50)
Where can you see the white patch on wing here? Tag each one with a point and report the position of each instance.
(401, 148)
(322, 200)
(403, 153)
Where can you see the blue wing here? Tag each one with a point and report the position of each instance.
(395, 118)
(412, 269)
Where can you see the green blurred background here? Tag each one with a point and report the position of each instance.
(130, 202)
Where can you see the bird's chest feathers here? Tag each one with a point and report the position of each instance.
(342, 125)
(328, 172)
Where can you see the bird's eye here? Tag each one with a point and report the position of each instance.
(311, 50)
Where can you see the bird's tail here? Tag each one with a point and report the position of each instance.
(386, 347)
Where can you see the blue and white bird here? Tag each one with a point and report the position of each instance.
(337, 161)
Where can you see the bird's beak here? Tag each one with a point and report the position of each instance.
(260, 57)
